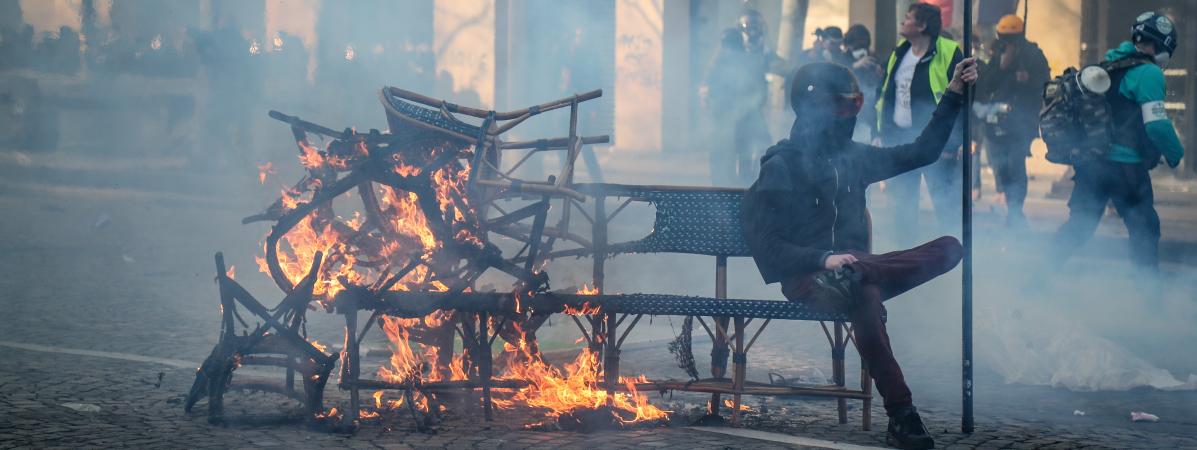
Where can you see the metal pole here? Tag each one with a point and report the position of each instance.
(967, 234)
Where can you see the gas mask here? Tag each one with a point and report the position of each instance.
(1162, 59)
(859, 54)
(752, 28)
(1005, 41)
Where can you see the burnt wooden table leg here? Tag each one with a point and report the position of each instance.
(352, 353)
(485, 364)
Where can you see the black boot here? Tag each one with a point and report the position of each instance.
(906, 430)
(838, 289)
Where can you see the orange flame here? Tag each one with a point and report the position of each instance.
(585, 310)
(332, 413)
(363, 413)
(263, 170)
(728, 403)
(578, 386)
(323, 348)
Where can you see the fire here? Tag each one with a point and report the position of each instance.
(728, 403)
(290, 199)
(404, 364)
(365, 256)
(576, 387)
(367, 414)
(302, 243)
(330, 414)
(585, 310)
(339, 239)
(323, 348)
(314, 159)
(231, 272)
(263, 170)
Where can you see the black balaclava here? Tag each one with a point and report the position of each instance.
(826, 99)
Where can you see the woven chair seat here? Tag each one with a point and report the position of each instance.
(430, 116)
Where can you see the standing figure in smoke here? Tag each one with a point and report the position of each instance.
(828, 47)
(1012, 96)
(858, 43)
(1142, 132)
(915, 80)
(806, 222)
(735, 93)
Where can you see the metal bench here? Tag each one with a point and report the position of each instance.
(705, 221)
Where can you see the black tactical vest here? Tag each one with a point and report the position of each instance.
(1126, 116)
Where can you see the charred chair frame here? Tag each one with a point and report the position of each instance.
(278, 340)
(408, 114)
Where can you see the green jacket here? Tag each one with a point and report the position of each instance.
(1145, 85)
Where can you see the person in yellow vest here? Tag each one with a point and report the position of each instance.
(915, 79)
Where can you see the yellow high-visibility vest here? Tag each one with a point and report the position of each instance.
(937, 72)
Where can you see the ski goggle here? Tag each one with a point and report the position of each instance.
(847, 105)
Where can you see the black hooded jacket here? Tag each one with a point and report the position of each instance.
(809, 201)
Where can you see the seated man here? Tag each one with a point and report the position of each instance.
(805, 221)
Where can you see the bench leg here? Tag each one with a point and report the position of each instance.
(837, 369)
(611, 357)
(719, 347)
(719, 350)
(739, 370)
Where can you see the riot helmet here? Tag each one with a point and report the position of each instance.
(1159, 30)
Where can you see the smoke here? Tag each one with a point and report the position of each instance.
(196, 85)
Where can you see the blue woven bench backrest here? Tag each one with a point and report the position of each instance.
(700, 222)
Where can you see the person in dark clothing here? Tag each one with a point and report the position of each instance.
(915, 79)
(581, 73)
(735, 93)
(1009, 103)
(828, 47)
(806, 222)
(1142, 134)
(858, 43)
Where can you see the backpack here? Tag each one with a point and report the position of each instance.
(1076, 119)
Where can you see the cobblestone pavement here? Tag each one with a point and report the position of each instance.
(45, 400)
(135, 411)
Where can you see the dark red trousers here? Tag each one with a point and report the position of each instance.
(884, 277)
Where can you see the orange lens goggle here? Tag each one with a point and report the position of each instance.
(848, 105)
